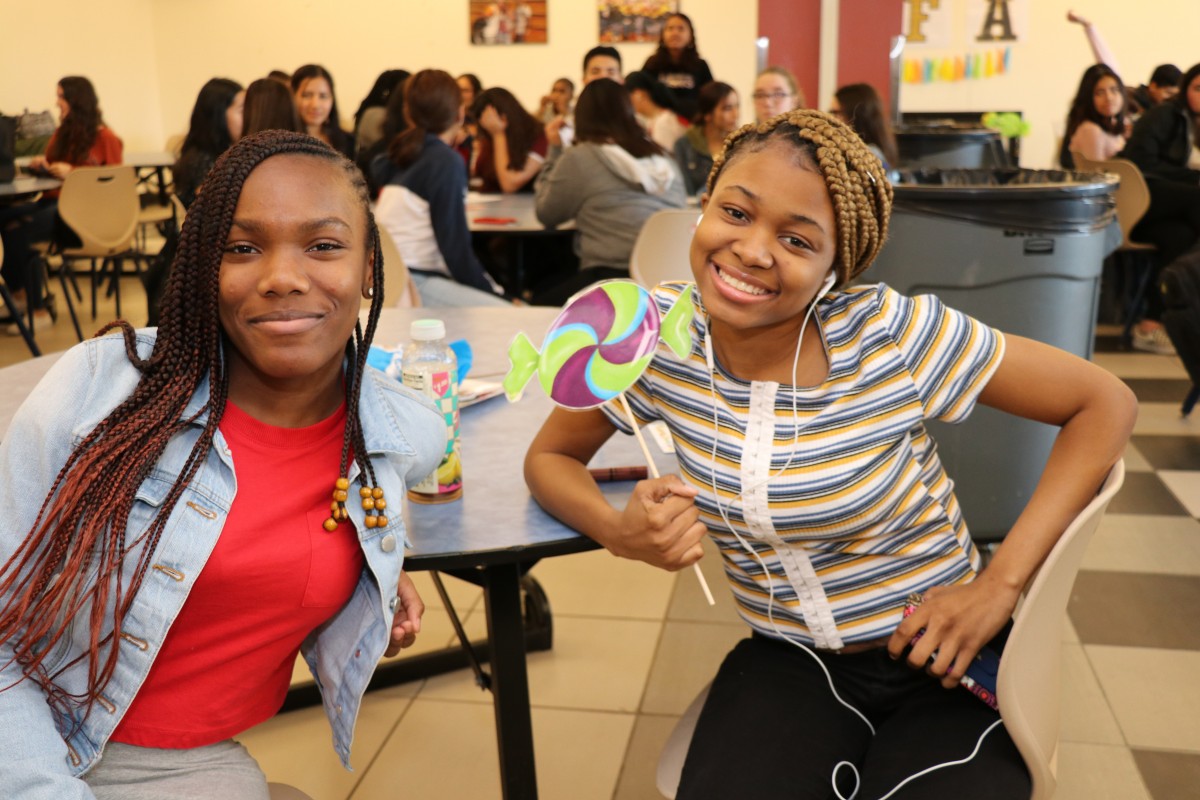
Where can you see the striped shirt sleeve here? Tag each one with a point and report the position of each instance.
(949, 355)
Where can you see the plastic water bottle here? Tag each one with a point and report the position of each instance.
(429, 367)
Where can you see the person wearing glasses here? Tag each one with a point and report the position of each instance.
(776, 92)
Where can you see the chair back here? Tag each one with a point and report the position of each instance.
(674, 752)
(661, 250)
(100, 204)
(1028, 684)
(180, 209)
(1132, 197)
(400, 291)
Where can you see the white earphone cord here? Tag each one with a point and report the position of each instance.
(712, 385)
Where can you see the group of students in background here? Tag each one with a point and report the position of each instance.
(623, 148)
(626, 146)
(1154, 126)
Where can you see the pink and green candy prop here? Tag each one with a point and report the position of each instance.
(597, 347)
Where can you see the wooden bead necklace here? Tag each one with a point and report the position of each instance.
(373, 503)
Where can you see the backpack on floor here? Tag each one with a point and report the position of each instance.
(1180, 285)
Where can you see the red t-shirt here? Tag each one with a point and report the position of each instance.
(106, 151)
(274, 575)
(485, 163)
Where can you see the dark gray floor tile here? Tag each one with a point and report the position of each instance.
(1159, 390)
(1134, 609)
(1145, 493)
(1169, 775)
(1170, 452)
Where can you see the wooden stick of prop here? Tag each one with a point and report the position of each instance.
(654, 472)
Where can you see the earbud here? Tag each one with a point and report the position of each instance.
(700, 218)
(830, 280)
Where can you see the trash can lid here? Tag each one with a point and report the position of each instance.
(945, 129)
(1053, 201)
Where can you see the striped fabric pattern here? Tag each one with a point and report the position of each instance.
(844, 499)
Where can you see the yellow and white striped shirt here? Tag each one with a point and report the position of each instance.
(862, 512)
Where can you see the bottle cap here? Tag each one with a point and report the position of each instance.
(427, 330)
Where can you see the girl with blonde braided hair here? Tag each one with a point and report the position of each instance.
(804, 456)
(178, 522)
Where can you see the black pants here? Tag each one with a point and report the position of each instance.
(21, 226)
(1172, 224)
(771, 728)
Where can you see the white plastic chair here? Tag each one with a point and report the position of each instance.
(397, 281)
(1028, 686)
(661, 250)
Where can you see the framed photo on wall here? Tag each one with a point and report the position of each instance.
(636, 21)
(512, 22)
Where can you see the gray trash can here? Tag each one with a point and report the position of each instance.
(949, 146)
(1022, 251)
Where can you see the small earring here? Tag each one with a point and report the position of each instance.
(370, 291)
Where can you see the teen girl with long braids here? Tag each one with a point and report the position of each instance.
(798, 421)
(81, 140)
(185, 510)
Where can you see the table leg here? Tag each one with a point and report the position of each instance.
(510, 681)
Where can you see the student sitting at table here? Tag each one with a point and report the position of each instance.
(317, 104)
(216, 123)
(421, 203)
(269, 107)
(170, 542)
(80, 140)
(654, 106)
(558, 102)
(776, 91)
(511, 144)
(717, 112)
(372, 111)
(798, 416)
(395, 122)
(610, 181)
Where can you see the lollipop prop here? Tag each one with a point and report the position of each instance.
(598, 346)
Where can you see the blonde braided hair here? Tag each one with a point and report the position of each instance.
(858, 185)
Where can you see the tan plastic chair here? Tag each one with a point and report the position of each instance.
(1133, 198)
(397, 281)
(661, 250)
(281, 791)
(1028, 686)
(100, 205)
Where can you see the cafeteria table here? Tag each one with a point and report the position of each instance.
(512, 216)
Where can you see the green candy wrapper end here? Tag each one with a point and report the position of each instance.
(675, 327)
(523, 357)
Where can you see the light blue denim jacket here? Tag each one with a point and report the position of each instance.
(405, 438)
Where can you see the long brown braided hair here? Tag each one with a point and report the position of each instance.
(81, 527)
(858, 185)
